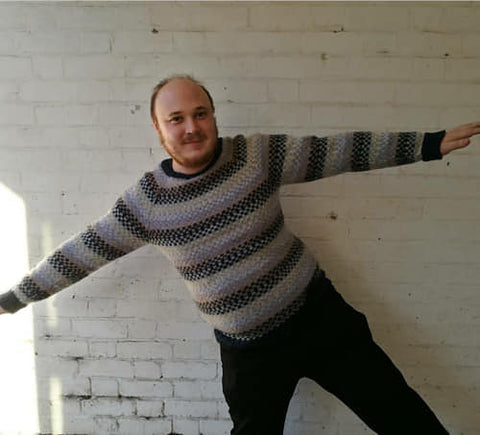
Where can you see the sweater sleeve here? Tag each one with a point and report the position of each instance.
(311, 157)
(119, 232)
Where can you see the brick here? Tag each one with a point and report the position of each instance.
(253, 42)
(187, 350)
(387, 17)
(190, 408)
(69, 386)
(147, 370)
(198, 390)
(332, 43)
(95, 42)
(184, 331)
(99, 328)
(62, 348)
(132, 90)
(103, 308)
(216, 427)
(104, 387)
(105, 424)
(94, 67)
(454, 18)
(187, 370)
(280, 115)
(141, 329)
(464, 209)
(150, 408)
(16, 114)
(8, 92)
(40, 18)
(282, 90)
(57, 328)
(186, 427)
(106, 367)
(199, 17)
(152, 426)
(426, 19)
(428, 69)
(139, 389)
(15, 67)
(346, 92)
(108, 407)
(141, 42)
(385, 209)
(75, 115)
(461, 69)
(57, 366)
(11, 17)
(263, 17)
(189, 42)
(237, 91)
(429, 45)
(48, 43)
(145, 351)
(102, 349)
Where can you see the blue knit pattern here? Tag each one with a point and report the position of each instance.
(223, 230)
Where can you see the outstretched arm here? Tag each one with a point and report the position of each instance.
(459, 137)
(119, 232)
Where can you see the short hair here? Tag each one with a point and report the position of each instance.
(167, 80)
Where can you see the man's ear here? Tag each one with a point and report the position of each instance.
(155, 124)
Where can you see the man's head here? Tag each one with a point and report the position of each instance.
(182, 112)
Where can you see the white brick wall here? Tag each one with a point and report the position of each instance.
(124, 351)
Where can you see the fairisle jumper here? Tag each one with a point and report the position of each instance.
(224, 229)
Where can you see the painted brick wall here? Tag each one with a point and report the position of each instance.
(124, 351)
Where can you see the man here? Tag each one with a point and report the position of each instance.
(214, 211)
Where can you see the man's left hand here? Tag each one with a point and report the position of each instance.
(459, 137)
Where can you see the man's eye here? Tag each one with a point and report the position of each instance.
(201, 115)
(176, 119)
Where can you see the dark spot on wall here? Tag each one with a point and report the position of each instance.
(154, 31)
(332, 215)
(135, 108)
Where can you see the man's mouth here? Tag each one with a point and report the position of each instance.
(194, 141)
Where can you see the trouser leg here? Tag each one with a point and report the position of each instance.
(258, 386)
(350, 365)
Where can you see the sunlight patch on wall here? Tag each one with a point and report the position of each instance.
(18, 394)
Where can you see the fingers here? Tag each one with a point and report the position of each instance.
(451, 145)
(463, 131)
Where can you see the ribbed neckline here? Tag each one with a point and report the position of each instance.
(167, 165)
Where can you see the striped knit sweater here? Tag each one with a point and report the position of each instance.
(223, 229)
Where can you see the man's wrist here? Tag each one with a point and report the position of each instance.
(10, 303)
(431, 145)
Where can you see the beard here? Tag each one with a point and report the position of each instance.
(198, 161)
(192, 162)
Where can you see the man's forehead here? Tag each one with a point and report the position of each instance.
(180, 94)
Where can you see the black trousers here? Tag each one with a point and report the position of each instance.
(331, 344)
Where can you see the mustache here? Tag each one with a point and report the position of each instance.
(193, 138)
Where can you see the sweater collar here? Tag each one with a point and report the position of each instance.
(167, 165)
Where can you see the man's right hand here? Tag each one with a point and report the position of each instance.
(2, 311)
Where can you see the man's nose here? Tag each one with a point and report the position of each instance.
(190, 125)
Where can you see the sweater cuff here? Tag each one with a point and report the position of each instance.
(9, 302)
(431, 145)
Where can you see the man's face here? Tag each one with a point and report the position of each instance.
(186, 125)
